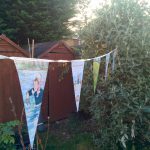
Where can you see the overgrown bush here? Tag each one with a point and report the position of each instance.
(121, 105)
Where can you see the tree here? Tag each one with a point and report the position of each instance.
(40, 20)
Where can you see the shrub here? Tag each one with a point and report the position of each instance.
(7, 135)
(121, 105)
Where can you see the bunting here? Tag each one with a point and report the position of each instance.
(96, 66)
(113, 62)
(77, 73)
(32, 76)
(106, 66)
(27, 70)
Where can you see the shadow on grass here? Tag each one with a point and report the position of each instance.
(70, 134)
(77, 142)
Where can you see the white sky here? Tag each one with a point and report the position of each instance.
(93, 5)
(96, 3)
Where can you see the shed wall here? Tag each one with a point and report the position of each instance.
(9, 84)
(59, 92)
(9, 88)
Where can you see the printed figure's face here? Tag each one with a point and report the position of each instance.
(36, 85)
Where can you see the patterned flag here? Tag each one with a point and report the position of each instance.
(96, 65)
(77, 73)
(106, 66)
(32, 76)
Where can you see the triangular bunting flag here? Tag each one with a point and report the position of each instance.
(77, 73)
(106, 66)
(113, 62)
(32, 76)
(96, 65)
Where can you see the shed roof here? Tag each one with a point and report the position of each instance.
(47, 47)
(42, 47)
(3, 37)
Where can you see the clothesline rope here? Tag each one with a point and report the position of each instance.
(46, 60)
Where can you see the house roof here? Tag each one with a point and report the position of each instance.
(3, 37)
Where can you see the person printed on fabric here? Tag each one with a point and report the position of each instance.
(36, 91)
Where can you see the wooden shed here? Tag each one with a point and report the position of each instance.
(9, 48)
(9, 83)
(58, 99)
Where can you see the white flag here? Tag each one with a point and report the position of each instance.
(113, 63)
(32, 76)
(106, 66)
(77, 73)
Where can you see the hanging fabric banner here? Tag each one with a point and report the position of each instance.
(106, 66)
(77, 73)
(32, 76)
(113, 62)
(96, 65)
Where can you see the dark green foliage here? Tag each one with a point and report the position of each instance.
(7, 134)
(122, 101)
(41, 20)
(121, 106)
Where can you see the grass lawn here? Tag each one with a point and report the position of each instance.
(70, 134)
(77, 142)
